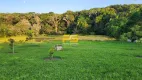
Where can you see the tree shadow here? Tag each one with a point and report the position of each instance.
(138, 56)
(55, 58)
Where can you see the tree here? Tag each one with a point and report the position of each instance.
(3, 30)
(53, 20)
(22, 27)
(46, 29)
(82, 24)
(133, 29)
(36, 26)
(136, 33)
(115, 27)
(12, 45)
(68, 17)
(51, 52)
(29, 34)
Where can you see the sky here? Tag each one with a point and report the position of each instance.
(57, 6)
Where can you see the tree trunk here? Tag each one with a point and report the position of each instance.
(56, 29)
(56, 26)
(67, 22)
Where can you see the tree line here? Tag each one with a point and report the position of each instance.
(119, 21)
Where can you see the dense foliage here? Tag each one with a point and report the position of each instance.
(119, 21)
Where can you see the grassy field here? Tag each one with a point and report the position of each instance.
(89, 60)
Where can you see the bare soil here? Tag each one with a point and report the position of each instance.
(53, 59)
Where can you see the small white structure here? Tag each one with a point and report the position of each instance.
(58, 47)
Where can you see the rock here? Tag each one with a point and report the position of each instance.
(58, 47)
(129, 40)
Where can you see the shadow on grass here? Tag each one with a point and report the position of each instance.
(55, 58)
(31, 45)
(138, 56)
(130, 49)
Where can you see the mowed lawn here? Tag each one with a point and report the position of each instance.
(89, 60)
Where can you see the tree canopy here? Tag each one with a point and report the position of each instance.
(118, 21)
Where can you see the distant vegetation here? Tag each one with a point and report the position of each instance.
(119, 21)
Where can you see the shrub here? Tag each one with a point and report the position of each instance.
(11, 44)
(139, 41)
(29, 34)
(92, 33)
(124, 37)
(51, 52)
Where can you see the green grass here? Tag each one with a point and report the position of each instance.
(90, 60)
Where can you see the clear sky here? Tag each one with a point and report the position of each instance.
(57, 6)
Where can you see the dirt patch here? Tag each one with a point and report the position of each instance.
(138, 56)
(55, 58)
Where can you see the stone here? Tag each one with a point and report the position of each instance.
(58, 47)
(129, 40)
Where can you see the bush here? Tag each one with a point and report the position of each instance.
(92, 33)
(124, 37)
(11, 44)
(51, 52)
(30, 34)
(139, 41)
